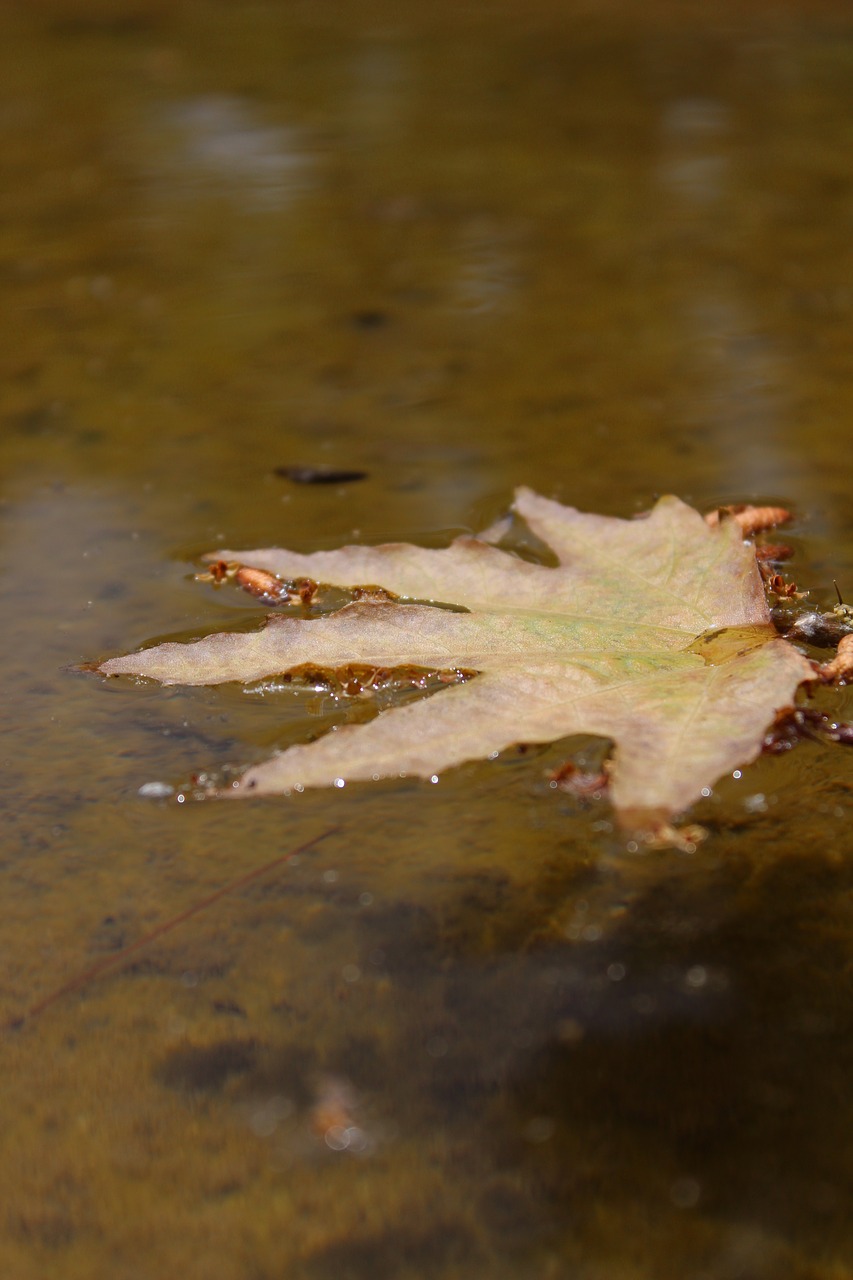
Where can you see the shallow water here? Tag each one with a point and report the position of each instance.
(599, 251)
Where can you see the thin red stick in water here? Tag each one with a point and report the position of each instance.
(119, 957)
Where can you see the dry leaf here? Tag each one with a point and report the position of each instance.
(751, 520)
(653, 633)
(840, 669)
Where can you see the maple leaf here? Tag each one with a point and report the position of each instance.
(652, 632)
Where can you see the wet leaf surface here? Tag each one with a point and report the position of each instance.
(654, 633)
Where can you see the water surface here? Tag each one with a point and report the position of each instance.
(602, 252)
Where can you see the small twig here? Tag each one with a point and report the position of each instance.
(118, 958)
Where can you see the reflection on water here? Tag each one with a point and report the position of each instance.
(732, 348)
(691, 126)
(219, 140)
(488, 272)
(467, 1032)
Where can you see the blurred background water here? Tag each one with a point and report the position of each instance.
(598, 249)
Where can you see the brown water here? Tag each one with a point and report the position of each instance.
(601, 249)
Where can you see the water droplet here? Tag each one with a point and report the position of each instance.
(155, 790)
(337, 1138)
(357, 1140)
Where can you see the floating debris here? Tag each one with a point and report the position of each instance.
(752, 520)
(319, 475)
(840, 669)
(333, 1118)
